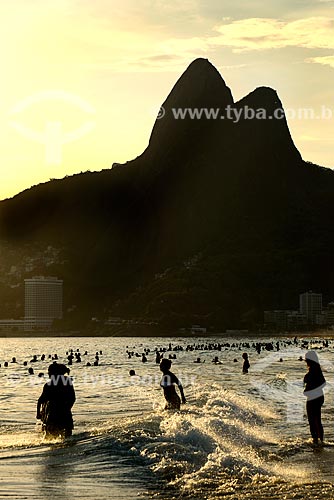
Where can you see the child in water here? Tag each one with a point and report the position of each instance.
(168, 382)
(56, 401)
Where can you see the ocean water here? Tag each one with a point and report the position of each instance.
(238, 436)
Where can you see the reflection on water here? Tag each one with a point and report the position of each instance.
(54, 473)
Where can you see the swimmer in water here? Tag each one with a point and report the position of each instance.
(168, 383)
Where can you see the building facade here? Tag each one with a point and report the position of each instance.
(310, 305)
(326, 318)
(43, 302)
(276, 320)
(11, 325)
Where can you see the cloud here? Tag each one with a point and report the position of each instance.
(142, 54)
(312, 138)
(148, 52)
(325, 60)
(253, 34)
(161, 58)
(89, 39)
(267, 33)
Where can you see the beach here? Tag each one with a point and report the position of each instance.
(238, 436)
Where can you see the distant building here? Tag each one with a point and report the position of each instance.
(276, 320)
(326, 318)
(310, 313)
(11, 325)
(197, 329)
(283, 320)
(296, 320)
(43, 302)
(310, 305)
(115, 320)
(330, 313)
(236, 332)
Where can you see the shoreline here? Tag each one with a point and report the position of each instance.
(320, 334)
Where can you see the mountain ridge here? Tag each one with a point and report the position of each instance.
(229, 191)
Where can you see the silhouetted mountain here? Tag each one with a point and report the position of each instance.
(215, 221)
(201, 86)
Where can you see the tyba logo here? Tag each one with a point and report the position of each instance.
(284, 386)
(53, 136)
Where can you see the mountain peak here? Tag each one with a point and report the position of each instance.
(268, 130)
(263, 97)
(201, 64)
(202, 80)
(200, 87)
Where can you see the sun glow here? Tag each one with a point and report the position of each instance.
(122, 61)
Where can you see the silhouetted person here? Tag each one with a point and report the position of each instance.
(56, 401)
(314, 382)
(168, 383)
(246, 365)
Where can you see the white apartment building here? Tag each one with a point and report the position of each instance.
(43, 301)
(310, 305)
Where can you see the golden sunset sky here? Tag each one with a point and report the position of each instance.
(82, 80)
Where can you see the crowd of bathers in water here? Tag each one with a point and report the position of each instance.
(54, 406)
(72, 355)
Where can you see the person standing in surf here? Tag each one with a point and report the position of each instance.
(314, 382)
(168, 383)
(55, 403)
(246, 364)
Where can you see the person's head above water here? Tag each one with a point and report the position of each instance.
(312, 356)
(57, 369)
(165, 365)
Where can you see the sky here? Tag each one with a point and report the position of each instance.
(82, 80)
